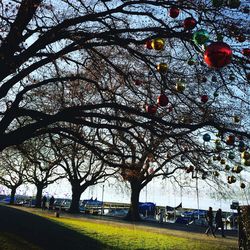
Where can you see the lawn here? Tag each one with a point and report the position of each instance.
(128, 236)
(79, 231)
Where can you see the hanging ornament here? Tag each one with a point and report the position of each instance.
(232, 77)
(233, 4)
(236, 119)
(204, 176)
(200, 37)
(206, 137)
(180, 87)
(148, 44)
(174, 12)
(162, 100)
(218, 55)
(231, 155)
(214, 79)
(242, 185)
(230, 140)
(222, 161)
(162, 68)
(138, 82)
(241, 38)
(231, 179)
(151, 109)
(189, 23)
(247, 162)
(216, 94)
(237, 169)
(216, 173)
(191, 62)
(227, 167)
(158, 44)
(204, 98)
(241, 144)
(246, 52)
(245, 155)
(218, 146)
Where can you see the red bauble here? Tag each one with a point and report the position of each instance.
(204, 98)
(138, 82)
(162, 100)
(189, 23)
(151, 109)
(174, 12)
(148, 44)
(230, 140)
(246, 52)
(218, 55)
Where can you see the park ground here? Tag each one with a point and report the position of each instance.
(24, 228)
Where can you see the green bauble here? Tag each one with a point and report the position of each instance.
(200, 37)
(231, 155)
(217, 3)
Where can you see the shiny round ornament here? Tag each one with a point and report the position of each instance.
(206, 137)
(191, 62)
(162, 68)
(216, 173)
(180, 87)
(230, 140)
(242, 185)
(231, 155)
(237, 169)
(246, 52)
(218, 55)
(233, 4)
(189, 23)
(222, 161)
(236, 119)
(158, 43)
(174, 12)
(247, 162)
(200, 37)
(231, 179)
(151, 109)
(148, 44)
(245, 155)
(162, 100)
(241, 38)
(204, 98)
(138, 82)
(227, 167)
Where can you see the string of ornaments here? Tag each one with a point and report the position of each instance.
(217, 55)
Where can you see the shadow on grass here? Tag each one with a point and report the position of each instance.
(42, 232)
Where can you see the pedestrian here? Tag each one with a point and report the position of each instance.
(44, 200)
(219, 222)
(51, 202)
(210, 218)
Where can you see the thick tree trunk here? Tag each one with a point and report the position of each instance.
(39, 195)
(76, 194)
(133, 213)
(12, 195)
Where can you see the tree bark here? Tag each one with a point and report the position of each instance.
(133, 213)
(39, 195)
(12, 195)
(76, 194)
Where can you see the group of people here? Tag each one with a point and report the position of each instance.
(218, 222)
(51, 202)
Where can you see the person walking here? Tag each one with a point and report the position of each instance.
(210, 218)
(44, 200)
(219, 222)
(51, 202)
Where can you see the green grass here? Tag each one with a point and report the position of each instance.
(118, 236)
(12, 242)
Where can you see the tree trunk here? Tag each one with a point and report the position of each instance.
(76, 194)
(133, 213)
(39, 195)
(12, 195)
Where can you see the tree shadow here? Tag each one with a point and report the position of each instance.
(42, 232)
